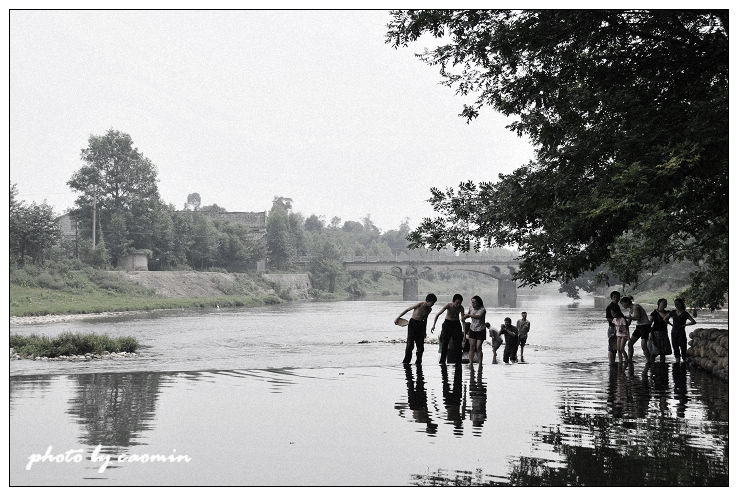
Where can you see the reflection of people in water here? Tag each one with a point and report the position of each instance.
(417, 398)
(452, 398)
(478, 396)
(679, 376)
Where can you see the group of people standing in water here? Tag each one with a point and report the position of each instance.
(651, 329)
(456, 332)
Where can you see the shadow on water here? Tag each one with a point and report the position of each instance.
(666, 425)
(417, 400)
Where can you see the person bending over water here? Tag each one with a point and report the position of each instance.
(451, 330)
(494, 335)
(477, 331)
(680, 319)
(416, 327)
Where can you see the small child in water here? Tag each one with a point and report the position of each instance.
(494, 335)
(621, 331)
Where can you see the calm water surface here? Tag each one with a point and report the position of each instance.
(314, 393)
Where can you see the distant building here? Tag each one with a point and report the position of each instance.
(135, 260)
(67, 224)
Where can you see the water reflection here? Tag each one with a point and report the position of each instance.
(114, 409)
(478, 398)
(657, 425)
(417, 399)
(452, 398)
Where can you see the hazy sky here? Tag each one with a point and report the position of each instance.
(240, 106)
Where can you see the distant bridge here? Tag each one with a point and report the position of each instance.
(410, 270)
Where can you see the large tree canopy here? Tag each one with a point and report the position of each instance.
(628, 111)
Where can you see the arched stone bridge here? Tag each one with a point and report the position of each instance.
(409, 271)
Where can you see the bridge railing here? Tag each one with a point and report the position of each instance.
(419, 257)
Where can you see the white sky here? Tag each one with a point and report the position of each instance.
(241, 106)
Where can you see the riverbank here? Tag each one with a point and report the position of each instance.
(95, 292)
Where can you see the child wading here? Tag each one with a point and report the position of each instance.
(416, 327)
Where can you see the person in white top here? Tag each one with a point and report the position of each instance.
(477, 331)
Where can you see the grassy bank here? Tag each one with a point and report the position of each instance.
(68, 344)
(58, 290)
(38, 301)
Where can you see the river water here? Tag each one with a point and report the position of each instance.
(315, 394)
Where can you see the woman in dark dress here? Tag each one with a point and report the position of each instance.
(658, 339)
(680, 319)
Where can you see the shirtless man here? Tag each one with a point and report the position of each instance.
(451, 329)
(416, 327)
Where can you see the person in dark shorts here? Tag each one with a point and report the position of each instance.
(451, 333)
(612, 340)
(477, 329)
(511, 341)
(416, 327)
(680, 319)
(523, 326)
(638, 315)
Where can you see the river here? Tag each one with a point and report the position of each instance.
(314, 394)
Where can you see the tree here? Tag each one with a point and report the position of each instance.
(32, 229)
(121, 184)
(280, 245)
(193, 201)
(628, 111)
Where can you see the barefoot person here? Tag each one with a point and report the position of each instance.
(621, 331)
(416, 327)
(511, 341)
(611, 338)
(658, 339)
(494, 335)
(642, 326)
(450, 330)
(477, 329)
(523, 326)
(680, 319)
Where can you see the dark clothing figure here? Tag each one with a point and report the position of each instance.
(679, 333)
(511, 343)
(416, 336)
(659, 337)
(450, 340)
(612, 341)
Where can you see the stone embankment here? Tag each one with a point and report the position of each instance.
(77, 358)
(708, 350)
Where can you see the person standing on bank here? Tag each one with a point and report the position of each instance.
(477, 331)
(611, 338)
(523, 326)
(680, 319)
(451, 329)
(643, 326)
(416, 327)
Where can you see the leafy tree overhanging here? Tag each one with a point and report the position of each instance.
(628, 111)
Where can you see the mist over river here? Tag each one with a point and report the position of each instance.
(314, 393)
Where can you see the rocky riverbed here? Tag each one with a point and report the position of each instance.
(76, 358)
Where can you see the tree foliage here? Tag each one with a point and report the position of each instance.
(32, 229)
(628, 111)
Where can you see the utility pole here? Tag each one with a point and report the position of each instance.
(94, 214)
